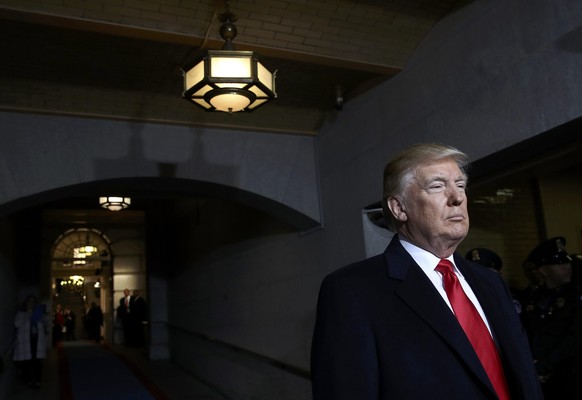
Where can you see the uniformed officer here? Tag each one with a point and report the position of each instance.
(552, 316)
(485, 257)
(490, 259)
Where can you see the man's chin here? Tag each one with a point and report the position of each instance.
(458, 235)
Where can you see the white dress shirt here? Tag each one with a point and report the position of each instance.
(428, 262)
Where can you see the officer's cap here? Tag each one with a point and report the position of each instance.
(485, 257)
(552, 251)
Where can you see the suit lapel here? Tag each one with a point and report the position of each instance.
(419, 294)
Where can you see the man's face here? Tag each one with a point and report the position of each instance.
(435, 205)
(126, 292)
(30, 303)
(555, 275)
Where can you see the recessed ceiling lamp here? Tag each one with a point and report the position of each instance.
(113, 203)
(228, 80)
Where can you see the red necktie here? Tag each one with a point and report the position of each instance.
(474, 328)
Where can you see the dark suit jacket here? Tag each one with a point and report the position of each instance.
(122, 311)
(384, 332)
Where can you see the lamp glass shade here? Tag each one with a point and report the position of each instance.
(230, 67)
(265, 77)
(194, 75)
(114, 203)
(258, 92)
(230, 102)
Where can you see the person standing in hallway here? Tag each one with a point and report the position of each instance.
(400, 325)
(70, 322)
(94, 322)
(124, 311)
(32, 324)
(139, 319)
(58, 324)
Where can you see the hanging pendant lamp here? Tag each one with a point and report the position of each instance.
(228, 80)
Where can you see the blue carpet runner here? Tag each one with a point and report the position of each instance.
(90, 371)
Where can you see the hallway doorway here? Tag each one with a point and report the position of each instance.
(80, 270)
(91, 256)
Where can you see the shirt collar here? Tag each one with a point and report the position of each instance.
(425, 259)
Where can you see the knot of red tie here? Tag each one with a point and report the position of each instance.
(444, 267)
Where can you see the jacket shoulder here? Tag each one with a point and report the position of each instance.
(370, 268)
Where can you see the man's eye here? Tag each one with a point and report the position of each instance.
(436, 186)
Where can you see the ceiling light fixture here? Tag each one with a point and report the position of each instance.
(113, 203)
(84, 251)
(228, 80)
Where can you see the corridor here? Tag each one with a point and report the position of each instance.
(84, 370)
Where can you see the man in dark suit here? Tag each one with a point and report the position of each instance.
(138, 318)
(392, 327)
(124, 314)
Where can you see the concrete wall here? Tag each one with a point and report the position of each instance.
(257, 295)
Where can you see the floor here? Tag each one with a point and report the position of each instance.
(170, 381)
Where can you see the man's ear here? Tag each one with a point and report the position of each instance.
(397, 208)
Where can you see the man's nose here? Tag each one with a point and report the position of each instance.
(456, 197)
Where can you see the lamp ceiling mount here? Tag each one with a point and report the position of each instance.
(228, 29)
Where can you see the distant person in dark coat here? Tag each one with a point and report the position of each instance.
(139, 319)
(124, 311)
(94, 322)
(70, 321)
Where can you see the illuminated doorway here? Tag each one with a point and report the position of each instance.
(80, 276)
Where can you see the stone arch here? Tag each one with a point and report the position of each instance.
(136, 187)
(47, 154)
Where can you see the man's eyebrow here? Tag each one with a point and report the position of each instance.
(433, 178)
(427, 179)
(424, 181)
